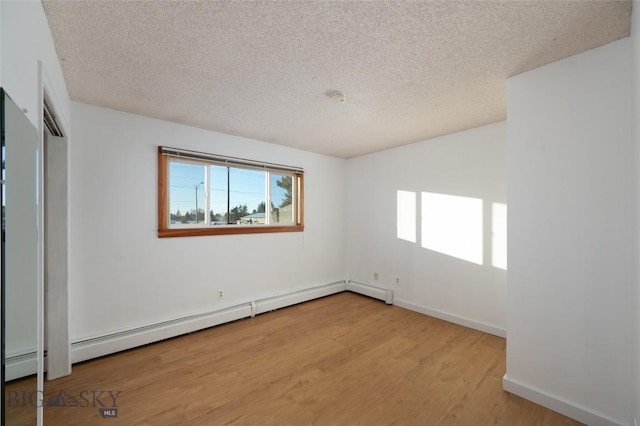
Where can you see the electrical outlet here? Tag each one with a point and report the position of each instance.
(220, 294)
(376, 276)
(397, 280)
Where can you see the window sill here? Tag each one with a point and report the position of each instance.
(226, 230)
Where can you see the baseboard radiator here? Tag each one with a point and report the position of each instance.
(385, 294)
(20, 365)
(115, 342)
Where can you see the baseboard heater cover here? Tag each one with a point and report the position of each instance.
(384, 294)
(18, 366)
(293, 298)
(115, 342)
(94, 348)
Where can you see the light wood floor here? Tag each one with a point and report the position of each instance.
(341, 360)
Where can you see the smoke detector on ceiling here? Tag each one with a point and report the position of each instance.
(337, 97)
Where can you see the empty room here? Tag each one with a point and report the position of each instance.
(320, 212)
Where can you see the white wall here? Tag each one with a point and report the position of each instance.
(123, 276)
(25, 39)
(570, 235)
(469, 164)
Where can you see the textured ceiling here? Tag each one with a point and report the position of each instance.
(264, 69)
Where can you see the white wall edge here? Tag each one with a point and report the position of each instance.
(555, 403)
(105, 345)
(367, 290)
(466, 322)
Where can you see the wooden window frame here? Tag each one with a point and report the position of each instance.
(165, 231)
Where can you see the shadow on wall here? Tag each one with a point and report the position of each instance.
(453, 225)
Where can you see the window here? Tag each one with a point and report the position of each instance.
(203, 194)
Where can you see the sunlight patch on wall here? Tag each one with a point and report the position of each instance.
(452, 225)
(406, 216)
(499, 235)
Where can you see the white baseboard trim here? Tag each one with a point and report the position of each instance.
(104, 345)
(19, 366)
(467, 322)
(555, 403)
(383, 294)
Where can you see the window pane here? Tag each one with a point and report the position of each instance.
(281, 188)
(209, 196)
(186, 192)
(246, 196)
(218, 195)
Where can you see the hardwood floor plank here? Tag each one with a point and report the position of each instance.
(341, 360)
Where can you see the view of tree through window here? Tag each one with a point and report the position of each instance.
(281, 198)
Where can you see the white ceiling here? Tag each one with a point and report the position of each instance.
(410, 70)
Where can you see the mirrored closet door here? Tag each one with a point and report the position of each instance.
(19, 264)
